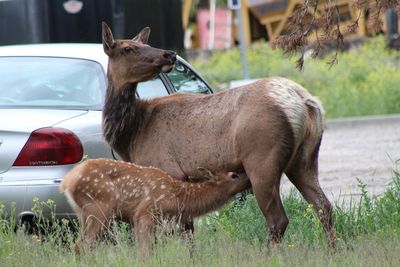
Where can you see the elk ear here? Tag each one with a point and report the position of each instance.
(108, 39)
(207, 173)
(143, 36)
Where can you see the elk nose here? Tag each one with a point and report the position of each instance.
(170, 55)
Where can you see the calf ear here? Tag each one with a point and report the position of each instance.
(143, 36)
(108, 39)
(206, 173)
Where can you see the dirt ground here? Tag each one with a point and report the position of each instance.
(366, 148)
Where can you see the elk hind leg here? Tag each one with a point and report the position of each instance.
(304, 175)
(265, 180)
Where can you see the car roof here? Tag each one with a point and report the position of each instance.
(68, 50)
(86, 51)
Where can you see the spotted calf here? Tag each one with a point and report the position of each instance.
(102, 189)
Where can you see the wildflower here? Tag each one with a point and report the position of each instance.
(290, 245)
(50, 203)
(309, 208)
(37, 238)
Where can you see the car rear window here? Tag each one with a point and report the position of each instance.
(51, 82)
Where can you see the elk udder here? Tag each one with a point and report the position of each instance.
(270, 127)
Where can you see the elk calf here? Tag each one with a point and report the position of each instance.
(102, 189)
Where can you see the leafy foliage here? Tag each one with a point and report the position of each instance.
(322, 19)
(365, 82)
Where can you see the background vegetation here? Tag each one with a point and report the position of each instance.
(366, 81)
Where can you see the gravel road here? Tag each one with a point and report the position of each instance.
(366, 148)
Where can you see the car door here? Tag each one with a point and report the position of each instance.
(184, 79)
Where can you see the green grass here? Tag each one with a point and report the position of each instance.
(366, 81)
(368, 232)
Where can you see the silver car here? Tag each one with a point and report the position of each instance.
(51, 98)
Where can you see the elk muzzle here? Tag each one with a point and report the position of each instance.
(169, 59)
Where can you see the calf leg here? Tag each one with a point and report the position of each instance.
(144, 232)
(93, 222)
(187, 230)
(187, 233)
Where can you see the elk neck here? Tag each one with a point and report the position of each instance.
(123, 116)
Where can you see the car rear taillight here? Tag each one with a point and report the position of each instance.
(50, 146)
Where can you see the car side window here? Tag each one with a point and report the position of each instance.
(186, 81)
(152, 88)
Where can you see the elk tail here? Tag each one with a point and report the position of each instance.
(314, 126)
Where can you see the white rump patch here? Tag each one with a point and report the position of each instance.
(72, 202)
(286, 94)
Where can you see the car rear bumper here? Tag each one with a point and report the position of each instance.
(24, 196)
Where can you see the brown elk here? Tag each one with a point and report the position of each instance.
(102, 189)
(270, 127)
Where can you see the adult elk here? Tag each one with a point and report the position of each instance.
(267, 128)
(102, 189)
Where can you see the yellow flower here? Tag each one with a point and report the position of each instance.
(37, 238)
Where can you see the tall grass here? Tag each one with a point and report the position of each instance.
(364, 82)
(368, 233)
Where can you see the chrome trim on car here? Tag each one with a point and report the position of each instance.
(13, 183)
(31, 182)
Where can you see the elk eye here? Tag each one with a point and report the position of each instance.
(128, 49)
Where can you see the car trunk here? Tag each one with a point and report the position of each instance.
(16, 126)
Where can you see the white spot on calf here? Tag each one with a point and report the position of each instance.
(160, 197)
(146, 190)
